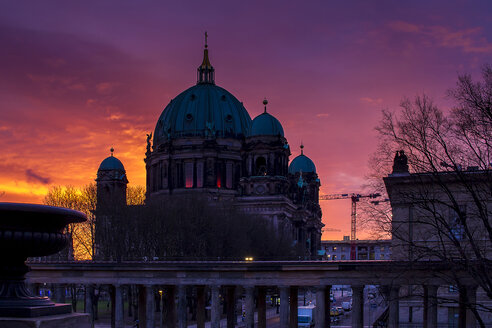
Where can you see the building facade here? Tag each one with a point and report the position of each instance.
(206, 145)
(443, 216)
(365, 250)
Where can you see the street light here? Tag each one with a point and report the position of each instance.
(248, 259)
(162, 307)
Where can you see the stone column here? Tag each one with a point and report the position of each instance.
(294, 292)
(261, 307)
(394, 307)
(231, 306)
(149, 307)
(119, 317)
(142, 307)
(358, 306)
(426, 306)
(170, 311)
(182, 315)
(471, 321)
(200, 306)
(59, 293)
(327, 306)
(89, 308)
(250, 306)
(432, 306)
(284, 307)
(320, 320)
(215, 308)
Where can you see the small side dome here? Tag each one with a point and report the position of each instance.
(302, 163)
(266, 124)
(111, 163)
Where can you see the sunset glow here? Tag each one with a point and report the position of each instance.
(80, 78)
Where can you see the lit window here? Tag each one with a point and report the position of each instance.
(334, 248)
(334, 257)
(189, 175)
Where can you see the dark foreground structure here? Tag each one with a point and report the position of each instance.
(255, 278)
(28, 230)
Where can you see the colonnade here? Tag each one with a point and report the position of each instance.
(176, 312)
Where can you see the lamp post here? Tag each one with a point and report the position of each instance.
(161, 307)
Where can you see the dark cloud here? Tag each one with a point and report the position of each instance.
(35, 177)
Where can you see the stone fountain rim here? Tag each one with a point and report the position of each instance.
(36, 209)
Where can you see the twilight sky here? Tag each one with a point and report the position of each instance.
(77, 77)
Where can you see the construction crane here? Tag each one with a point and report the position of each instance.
(353, 224)
(354, 199)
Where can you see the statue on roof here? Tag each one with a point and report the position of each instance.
(149, 136)
(400, 162)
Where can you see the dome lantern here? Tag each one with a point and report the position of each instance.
(206, 72)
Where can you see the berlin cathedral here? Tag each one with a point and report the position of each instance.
(205, 143)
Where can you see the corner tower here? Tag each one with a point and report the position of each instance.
(111, 184)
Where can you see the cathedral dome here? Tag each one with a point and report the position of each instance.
(266, 124)
(202, 110)
(111, 163)
(302, 163)
(205, 110)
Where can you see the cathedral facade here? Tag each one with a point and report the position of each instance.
(205, 144)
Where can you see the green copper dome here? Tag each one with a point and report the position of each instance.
(302, 163)
(205, 110)
(266, 124)
(111, 163)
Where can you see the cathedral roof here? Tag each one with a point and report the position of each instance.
(266, 124)
(111, 163)
(302, 163)
(203, 110)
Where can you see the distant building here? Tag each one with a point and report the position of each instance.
(365, 250)
(206, 145)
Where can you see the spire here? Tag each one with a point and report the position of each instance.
(205, 70)
(112, 151)
(265, 102)
(302, 149)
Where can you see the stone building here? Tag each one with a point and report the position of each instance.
(442, 216)
(365, 250)
(206, 145)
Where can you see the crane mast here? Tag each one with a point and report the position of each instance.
(353, 215)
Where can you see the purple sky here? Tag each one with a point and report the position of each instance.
(79, 77)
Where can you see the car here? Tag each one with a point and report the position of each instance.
(334, 312)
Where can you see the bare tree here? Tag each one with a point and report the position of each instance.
(84, 199)
(449, 154)
(190, 227)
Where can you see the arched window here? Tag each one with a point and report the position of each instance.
(260, 166)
